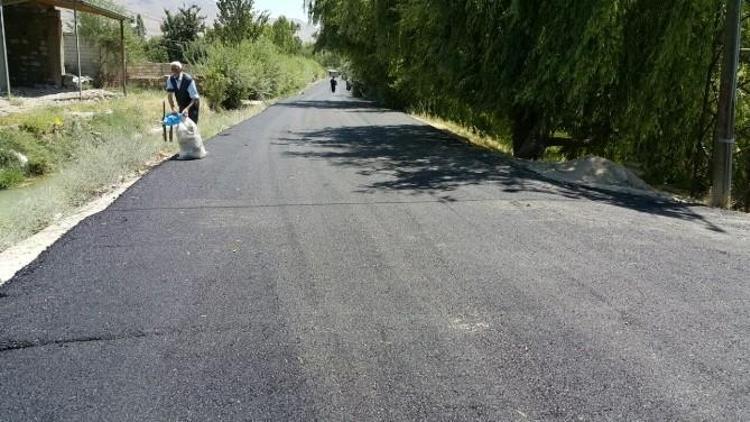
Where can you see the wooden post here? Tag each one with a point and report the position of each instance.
(78, 53)
(124, 62)
(6, 71)
(164, 116)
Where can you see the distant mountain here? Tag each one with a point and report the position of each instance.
(152, 12)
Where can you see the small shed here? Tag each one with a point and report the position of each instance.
(31, 40)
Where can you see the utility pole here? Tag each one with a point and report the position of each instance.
(6, 65)
(725, 140)
(122, 58)
(78, 52)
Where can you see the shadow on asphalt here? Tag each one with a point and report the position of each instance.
(344, 103)
(423, 159)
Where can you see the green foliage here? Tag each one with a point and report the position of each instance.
(180, 30)
(632, 80)
(140, 28)
(251, 70)
(741, 176)
(50, 139)
(39, 150)
(237, 21)
(10, 177)
(308, 50)
(330, 59)
(283, 33)
(155, 50)
(8, 159)
(105, 33)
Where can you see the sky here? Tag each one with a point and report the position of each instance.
(288, 8)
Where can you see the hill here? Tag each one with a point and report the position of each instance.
(152, 12)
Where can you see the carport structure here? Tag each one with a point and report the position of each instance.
(74, 5)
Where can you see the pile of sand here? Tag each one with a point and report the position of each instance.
(592, 171)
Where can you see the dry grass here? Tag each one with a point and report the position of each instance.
(467, 134)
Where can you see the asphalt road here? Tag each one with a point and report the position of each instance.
(331, 260)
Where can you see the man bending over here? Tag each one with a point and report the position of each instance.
(181, 87)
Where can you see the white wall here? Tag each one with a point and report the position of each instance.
(90, 54)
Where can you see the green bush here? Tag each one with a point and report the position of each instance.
(39, 166)
(10, 177)
(40, 151)
(49, 141)
(40, 125)
(251, 70)
(8, 159)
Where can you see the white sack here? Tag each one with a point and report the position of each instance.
(189, 138)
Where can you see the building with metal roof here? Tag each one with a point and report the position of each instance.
(31, 39)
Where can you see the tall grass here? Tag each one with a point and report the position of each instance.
(90, 156)
(468, 134)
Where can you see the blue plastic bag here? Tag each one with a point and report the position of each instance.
(172, 120)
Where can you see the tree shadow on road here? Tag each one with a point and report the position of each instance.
(416, 158)
(343, 103)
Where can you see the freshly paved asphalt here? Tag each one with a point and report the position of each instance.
(331, 260)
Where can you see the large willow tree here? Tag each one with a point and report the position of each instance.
(633, 80)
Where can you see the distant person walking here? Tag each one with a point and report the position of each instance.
(333, 85)
(182, 89)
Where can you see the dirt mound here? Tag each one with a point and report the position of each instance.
(591, 170)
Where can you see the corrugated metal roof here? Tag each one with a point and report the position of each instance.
(80, 5)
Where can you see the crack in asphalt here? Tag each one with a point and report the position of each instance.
(9, 345)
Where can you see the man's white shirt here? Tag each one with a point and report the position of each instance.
(192, 89)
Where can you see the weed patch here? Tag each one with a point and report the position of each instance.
(472, 136)
(10, 177)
